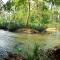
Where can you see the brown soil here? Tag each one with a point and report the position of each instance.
(33, 31)
(12, 56)
(27, 30)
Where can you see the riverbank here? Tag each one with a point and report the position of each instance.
(27, 30)
(49, 54)
(34, 31)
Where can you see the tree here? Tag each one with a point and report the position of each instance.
(8, 7)
(29, 13)
(1, 5)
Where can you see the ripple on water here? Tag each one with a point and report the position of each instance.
(6, 42)
(53, 40)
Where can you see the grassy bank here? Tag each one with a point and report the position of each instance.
(37, 54)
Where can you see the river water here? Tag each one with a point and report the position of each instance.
(14, 42)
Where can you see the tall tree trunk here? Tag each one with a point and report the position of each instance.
(29, 14)
(37, 11)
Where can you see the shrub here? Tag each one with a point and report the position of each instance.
(41, 29)
(4, 25)
(12, 26)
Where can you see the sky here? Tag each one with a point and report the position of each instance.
(4, 1)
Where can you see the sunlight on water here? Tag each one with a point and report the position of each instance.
(3, 43)
(53, 40)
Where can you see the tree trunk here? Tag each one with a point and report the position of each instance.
(29, 14)
(37, 11)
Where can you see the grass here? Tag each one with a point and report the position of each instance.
(33, 49)
(37, 54)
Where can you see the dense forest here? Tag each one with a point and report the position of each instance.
(34, 14)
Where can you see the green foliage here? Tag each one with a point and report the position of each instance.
(45, 19)
(3, 23)
(35, 14)
(35, 52)
(32, 19)
(56, 2)
(12, 26)
(7, 6)
(38, 54)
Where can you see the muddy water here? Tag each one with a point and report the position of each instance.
(14, 42)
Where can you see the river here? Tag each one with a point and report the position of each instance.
(12, 42)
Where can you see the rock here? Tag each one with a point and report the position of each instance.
(12, 56)
(54, 53)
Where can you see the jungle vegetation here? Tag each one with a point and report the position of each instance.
(34, 14)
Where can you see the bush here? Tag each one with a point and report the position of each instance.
(38, 54)
(4, 25)
(41, 29)
(20, 25)
(12, 26)
(43, 23)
